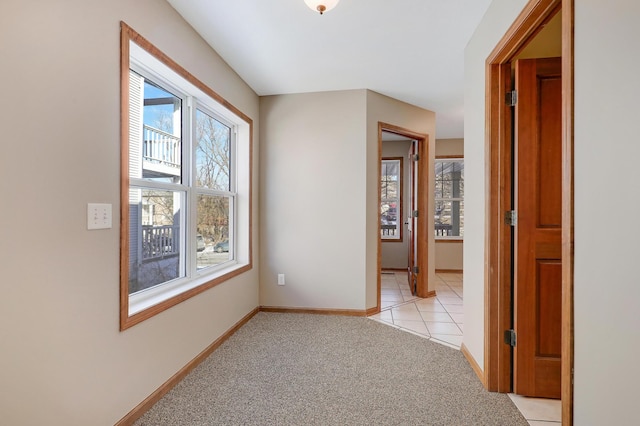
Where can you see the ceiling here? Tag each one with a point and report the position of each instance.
(410, 50)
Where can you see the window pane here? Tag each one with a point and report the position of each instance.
(449, 218)
(213, 153)
(390, 190)
(161, 135)
(449, 190)
(449, 182)
(212, 241)
(154, 237)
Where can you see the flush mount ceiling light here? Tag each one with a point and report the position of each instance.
(321, 6)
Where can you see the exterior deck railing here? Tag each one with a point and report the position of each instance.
(388, 230)
(161, 147)
(159, 241)
(443, 230)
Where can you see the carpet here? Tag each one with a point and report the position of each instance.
(303, 369)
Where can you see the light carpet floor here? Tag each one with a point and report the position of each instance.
(299, 369)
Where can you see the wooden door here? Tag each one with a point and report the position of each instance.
(412, 223)
(538, 201)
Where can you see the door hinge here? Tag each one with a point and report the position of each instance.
(414, 213)
(510, 337)
(415, 157)
(416, 270)
(512, 98)
(511, 218)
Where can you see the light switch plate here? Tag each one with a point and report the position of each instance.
(99, 216)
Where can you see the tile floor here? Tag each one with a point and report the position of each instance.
(441, 319)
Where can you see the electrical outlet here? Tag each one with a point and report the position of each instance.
(280, 279)
(98, 216)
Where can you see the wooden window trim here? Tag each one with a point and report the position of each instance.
(126, 321)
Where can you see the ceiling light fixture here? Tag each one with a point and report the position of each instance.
(321, 6)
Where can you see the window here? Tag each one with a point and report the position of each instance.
(186, 162)
(449, 195)
(391, 199)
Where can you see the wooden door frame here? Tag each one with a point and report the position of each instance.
(422, 206)
(498, 151)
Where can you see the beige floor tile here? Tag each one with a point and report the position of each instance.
(405, 315)
(388, 323)
(417, 326)
(436, 316)
(541, 409)
(443, 328)
(457, 318)
(424, 306)
(429, 300)
(455, 341)
(407, 307)
(455, 309)
(384, 305)
(450, 300)
(393, 299)
(383, 315)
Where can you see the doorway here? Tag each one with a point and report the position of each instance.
(406, 296)
(415, 212)
(501, 196)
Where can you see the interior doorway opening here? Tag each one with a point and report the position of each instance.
(498, 369)
(414, 201)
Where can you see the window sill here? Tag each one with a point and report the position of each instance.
(449, 240)
(180, 288)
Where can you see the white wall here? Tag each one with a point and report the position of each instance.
(63, 359)
(607, 232)
(606, 175)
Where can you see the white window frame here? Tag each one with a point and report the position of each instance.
(143, 58)
(461, 199)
